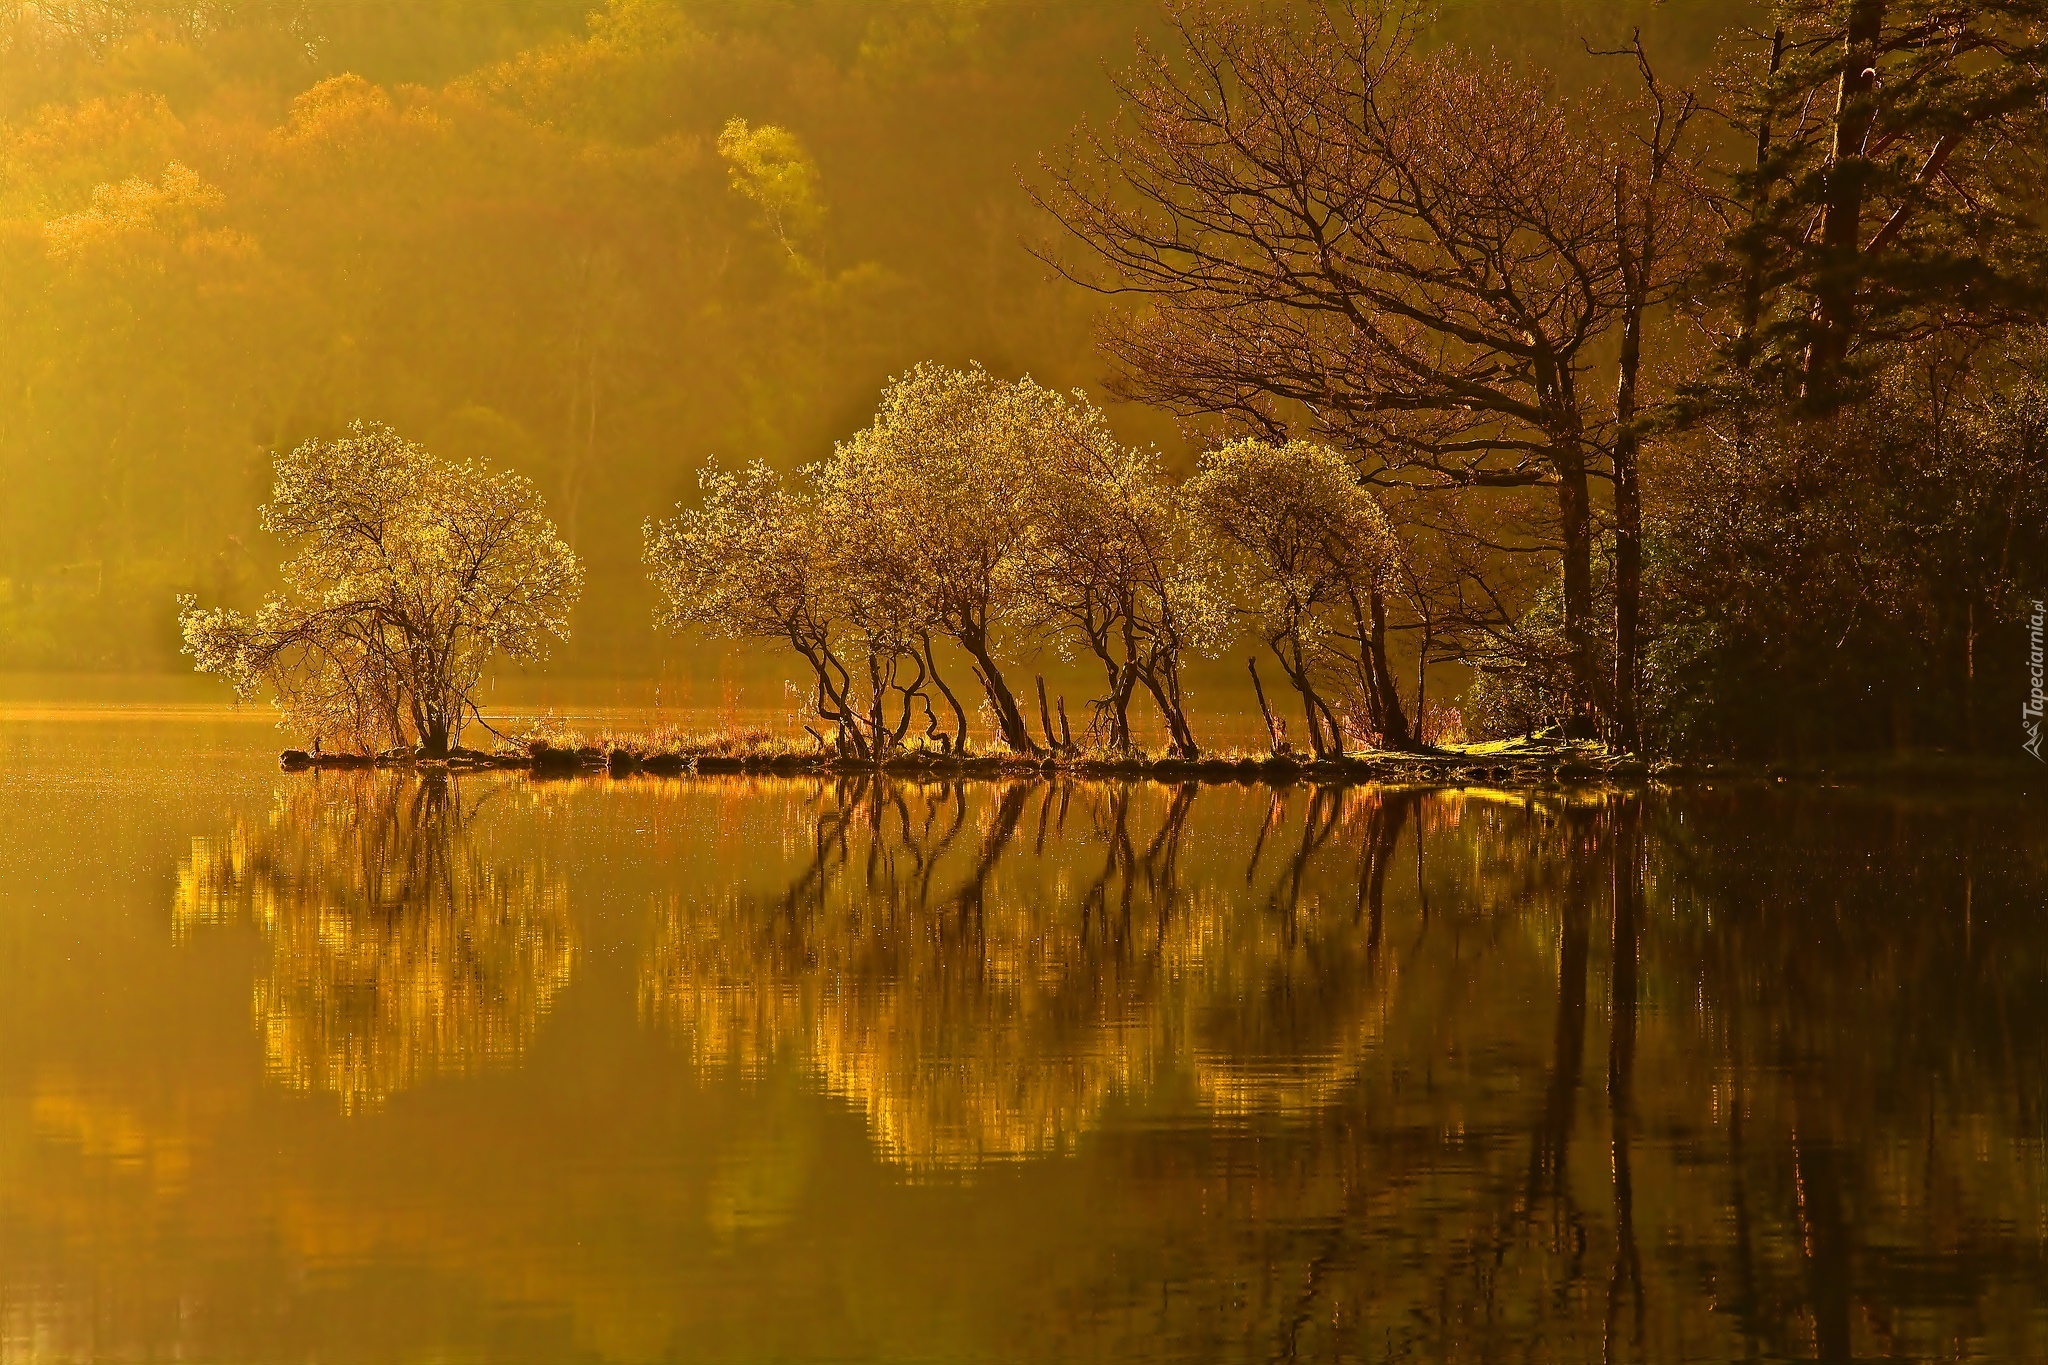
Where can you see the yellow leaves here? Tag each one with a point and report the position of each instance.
(134, 207)
(904, 40)
(336, 108)
(633, 58)
(769, 166)
(412, 575)
(63, 150)
(349, 116)
(628, 26)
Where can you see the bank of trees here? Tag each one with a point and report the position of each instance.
(997, 519)
(1626, 365)
(515, 230)
(974, 524)
(1688, 416)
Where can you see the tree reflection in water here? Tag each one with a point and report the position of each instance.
(1316, 1073)
(404, 942)
(1617, 1073)
(981, 1002)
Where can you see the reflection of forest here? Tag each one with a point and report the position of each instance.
(1784, 1100)
(401, 943)
(1721, 1075)
(979, 1001)
(1442, 1074)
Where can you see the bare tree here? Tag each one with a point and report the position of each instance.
(1659, 220)
(1409, 255)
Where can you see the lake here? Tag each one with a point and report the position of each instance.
(374, 1067)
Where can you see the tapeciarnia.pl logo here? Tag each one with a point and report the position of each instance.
(2030, 713)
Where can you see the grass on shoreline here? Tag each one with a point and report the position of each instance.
(546, 745)
(549, 747)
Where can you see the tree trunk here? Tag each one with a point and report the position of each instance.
(878, 728)
(1159, 669)
(1628, 503)
(1394, 730)
(832, 703)
(959, 714)
(1052, 741)
(1753, 258)
(1575, 527)
(1368, 680)
(1336, 731)
(1009, 716)
(1165, 689)
(1628, 595)
(1296, 670)
(1121, 678)
(1259, 689)
(1124, 683)
(1841, 231)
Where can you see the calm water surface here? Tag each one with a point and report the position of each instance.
(338, 1068)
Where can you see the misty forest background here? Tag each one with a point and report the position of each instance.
(510, 229)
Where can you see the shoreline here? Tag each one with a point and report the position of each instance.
(1507, 767)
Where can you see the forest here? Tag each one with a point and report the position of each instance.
(1669, 374)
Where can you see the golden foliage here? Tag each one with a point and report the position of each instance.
(133, 207)
(769, 166)
(412, 576)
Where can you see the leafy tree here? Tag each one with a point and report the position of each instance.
(1313, 555)
(970, 508)
(759, 561)
(942, 483)
(747, 564)
(412, 577)
(770, 167)
(1829, 586)
(1116, 561)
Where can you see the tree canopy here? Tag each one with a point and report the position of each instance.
(412, 577)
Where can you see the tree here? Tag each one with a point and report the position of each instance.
(970, 506)
(1824, 586)
(413, 575)
(1114, 560)
(1659, 220)
(1411, 256)
(747, 564)
(1312, 554)
(941, 484)
(770, 167)
(1896, 183)
(758, 561)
